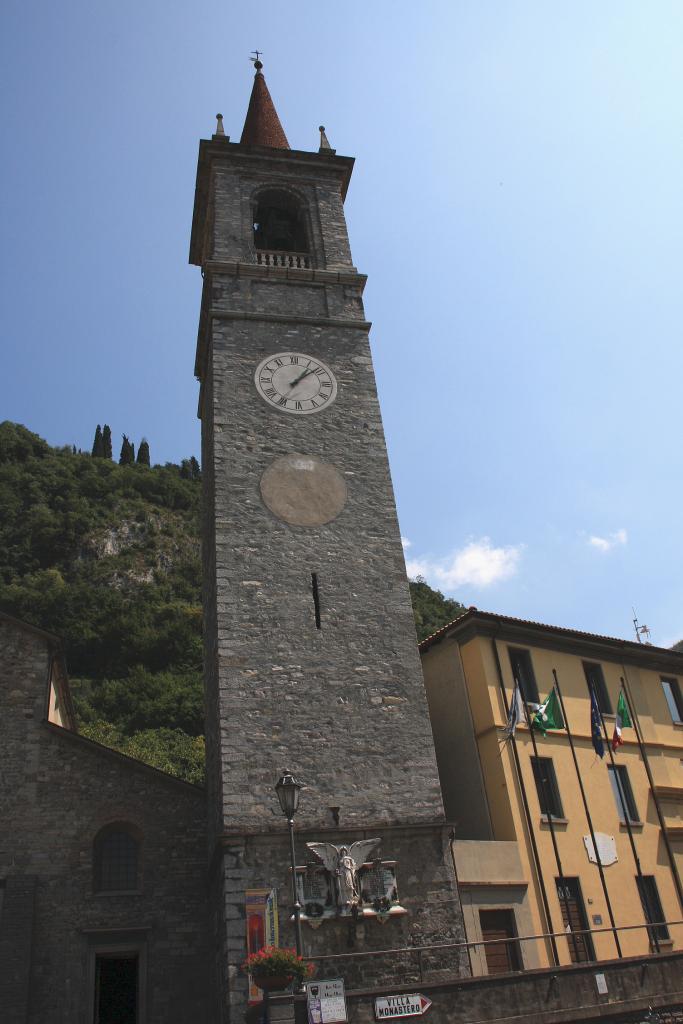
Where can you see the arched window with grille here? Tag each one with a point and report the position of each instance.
(116, 856)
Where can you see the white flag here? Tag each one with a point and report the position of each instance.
(516, 713)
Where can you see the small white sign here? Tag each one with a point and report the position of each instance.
(601, 982)
(326, 1002)
(607, 848)
(412, 1005)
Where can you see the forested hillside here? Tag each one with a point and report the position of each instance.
(107, 556)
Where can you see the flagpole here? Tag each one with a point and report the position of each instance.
(624, 806)
(527, 813)
(641, 745)
(588, 819)
(549, 819)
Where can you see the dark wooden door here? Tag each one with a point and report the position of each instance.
(501, 957)
(116, 989)
(574, 919)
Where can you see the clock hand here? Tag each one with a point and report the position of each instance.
(300, 377)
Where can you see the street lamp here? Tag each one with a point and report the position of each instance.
(288, 790)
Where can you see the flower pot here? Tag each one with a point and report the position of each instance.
(272, 982)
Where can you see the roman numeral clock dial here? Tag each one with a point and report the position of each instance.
(295, 383)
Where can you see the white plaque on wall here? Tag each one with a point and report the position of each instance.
(607, 848)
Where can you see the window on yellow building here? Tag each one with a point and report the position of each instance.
(546, 786)
(523, 672)
(674, 698)
(596, 681)
(652, 907)
(623, 794)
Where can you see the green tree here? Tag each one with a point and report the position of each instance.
(431, 609)
(189, 469)
(98, 444)
(143, 453)
(127, 456)
(169, 750)
(106, 441)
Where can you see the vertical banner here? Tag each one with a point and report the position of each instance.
(262, 928)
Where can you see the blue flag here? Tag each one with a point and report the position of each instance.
(596, 733)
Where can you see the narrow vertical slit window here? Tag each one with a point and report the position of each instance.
(316, 598)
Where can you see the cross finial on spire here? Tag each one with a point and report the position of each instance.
(255, 59)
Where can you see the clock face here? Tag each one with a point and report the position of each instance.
(295, 383)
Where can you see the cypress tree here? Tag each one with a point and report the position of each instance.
(127, 456)
(106, 441)
(98, 445)
(194, 468)
(143, 453)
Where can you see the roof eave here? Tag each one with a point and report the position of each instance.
(479, 623)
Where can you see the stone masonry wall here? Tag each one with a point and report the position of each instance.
(344, 706)
(637, 989)
(426, 889)
(57, 792)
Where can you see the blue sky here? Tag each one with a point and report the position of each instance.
(516, 203)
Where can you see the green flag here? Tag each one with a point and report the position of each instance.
(623, 721)
(548, 715)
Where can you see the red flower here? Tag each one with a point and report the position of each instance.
(273, 960)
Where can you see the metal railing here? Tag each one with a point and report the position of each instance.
(509, 940)
(277, 258)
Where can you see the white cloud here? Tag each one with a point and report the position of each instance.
(406, 543)
(613, 540)
(477, 564)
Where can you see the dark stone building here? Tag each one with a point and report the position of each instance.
(102, 862)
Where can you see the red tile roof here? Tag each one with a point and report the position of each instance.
(262, 125)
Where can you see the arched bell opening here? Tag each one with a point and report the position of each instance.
(280, 226)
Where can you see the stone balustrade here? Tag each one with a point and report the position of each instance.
(277, 258)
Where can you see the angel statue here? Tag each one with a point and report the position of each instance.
(343, 862)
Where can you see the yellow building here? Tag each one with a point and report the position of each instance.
(523, 845)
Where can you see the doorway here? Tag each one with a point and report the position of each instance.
(574, 919)
(116, 989)
(501, 957)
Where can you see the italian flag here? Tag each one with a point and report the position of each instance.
(623, 721)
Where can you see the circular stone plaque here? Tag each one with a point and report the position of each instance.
(303, 490)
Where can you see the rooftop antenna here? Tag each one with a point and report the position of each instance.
(641, 631)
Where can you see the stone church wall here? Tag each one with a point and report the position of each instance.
(57, 791)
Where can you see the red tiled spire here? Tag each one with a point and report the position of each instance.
(262, 125)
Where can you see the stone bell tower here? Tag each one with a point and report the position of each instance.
(310, 653)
